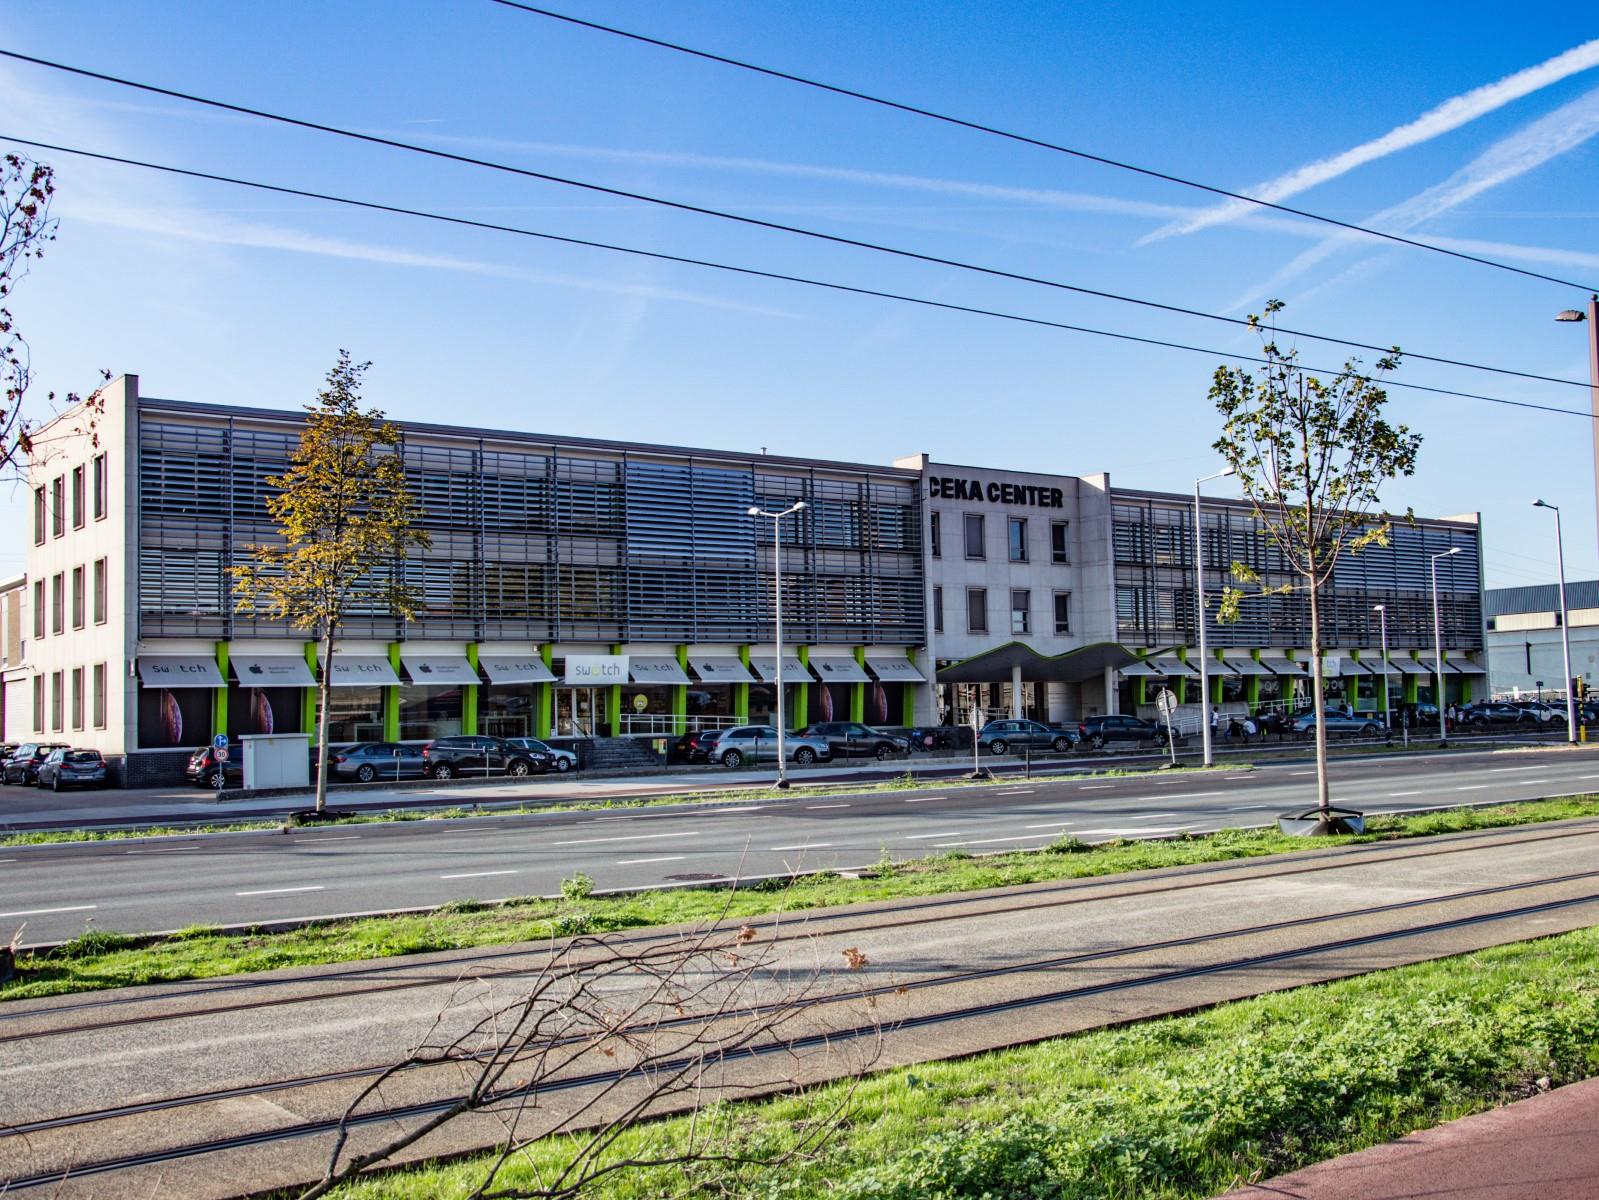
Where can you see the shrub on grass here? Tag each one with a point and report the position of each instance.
(92, 943)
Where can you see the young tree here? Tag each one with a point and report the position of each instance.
(1312, 455)
(347, 518)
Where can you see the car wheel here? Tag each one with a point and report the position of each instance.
(216, 781)
(1062, 745)
(563, 765)
(884, 753)
(366, 773)
(1160, 737)
(997, 746)
(1368, 730)
(443, 771)
(520, 768)
(55, 784)
(1097, 741)
(732, 759)
(804, 756)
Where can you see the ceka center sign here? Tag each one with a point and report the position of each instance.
(595, 670)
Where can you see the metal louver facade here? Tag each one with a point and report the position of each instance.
(544, 540)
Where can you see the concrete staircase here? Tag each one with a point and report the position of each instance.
(618, 753)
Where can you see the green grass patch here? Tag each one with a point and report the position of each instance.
(1172, 1109)
(199, 953)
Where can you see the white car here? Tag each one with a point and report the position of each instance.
(561, 761)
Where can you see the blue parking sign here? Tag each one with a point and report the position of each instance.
(220, 742)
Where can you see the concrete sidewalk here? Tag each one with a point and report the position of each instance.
(1546, 1147)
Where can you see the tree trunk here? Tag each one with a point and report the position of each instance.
(323, 686)
(1322, 800)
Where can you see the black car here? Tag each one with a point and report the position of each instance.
(1099, 732)
(478, 754)
(1491, 713)
(851, 739)
(1000, 737)
(370, 761)
(72, 768)
(23, 765)
(693, 747)
(205, 771)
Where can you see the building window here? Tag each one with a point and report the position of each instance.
(1021, 610)
(976, 610)
(38, 516)
(77, 498)
(77, 697)
(57, 702)
(1063, 612)
(38, 704)
(58, 602)
(100, 567)
(77, 598)
(99, 695)
(938, 610)
(938, 537)
(58, 502)
(99, 487)
(974, 535)
(38, 608)
(1057, 542)
(1018, 539)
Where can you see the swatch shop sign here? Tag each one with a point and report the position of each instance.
(595, 670)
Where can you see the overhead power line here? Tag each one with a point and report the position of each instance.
(1023, 139)
(757, 222)
(752, 272)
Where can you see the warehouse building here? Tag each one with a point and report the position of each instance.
(1525, 654)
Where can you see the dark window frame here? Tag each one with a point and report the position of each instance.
(1063, 628)
(982, 536)
(1025, 611)
(1060, 543)
(101, 498)
(1016, 546)
(79, 505)
(980, 596)
(938, 610)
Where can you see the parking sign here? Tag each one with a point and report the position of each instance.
(220, 742)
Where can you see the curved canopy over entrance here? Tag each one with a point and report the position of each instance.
(1075, 666)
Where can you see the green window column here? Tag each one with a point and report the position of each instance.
(469, 694)
(613, 703)
(802, 694)
(545, 692)
(391, 699)
(308, 695)
(1412, 689)
(680, 697)
(1217, 674)
(219, 696)
(857, 691)
(741, 691)
(907, 716)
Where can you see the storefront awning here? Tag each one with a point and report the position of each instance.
(894, 668)
(1074, 666)
(515, 668)
(271, 670)
(1465, 667)
(362, 670)
(1281, 666)
(1248, 666)
(180, 671)
(1175, 668)
(437, 670)
(1409, 666)
(765, 665)
(645, 668)
(838, 669)
(1354, 667)
(1141, 668)
(720, 668)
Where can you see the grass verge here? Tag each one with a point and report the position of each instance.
(1175, 1108)
(106, 959)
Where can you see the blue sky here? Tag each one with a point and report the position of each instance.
(212, 293)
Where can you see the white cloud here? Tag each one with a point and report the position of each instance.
(1449, 115)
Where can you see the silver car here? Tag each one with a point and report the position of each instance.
(561, 761)
(751, 744)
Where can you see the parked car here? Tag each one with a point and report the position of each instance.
(205, 771)
(1336, 721)
(692, 747)
(1001, 737)
(64, 768)
(851, 739)
(1492, 713)
(23, 765)
(368, 762)
(931, 737)
(1541, 711)
(477, 754)
(754, 744)
(1098, 732)
(561, 761)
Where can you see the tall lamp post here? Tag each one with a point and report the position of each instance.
(1199, 596)
(777, 608)
(1438, 647)
(1382, 616)
(1565, 623)
(1592, 317)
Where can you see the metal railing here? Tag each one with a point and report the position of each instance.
(666, 725)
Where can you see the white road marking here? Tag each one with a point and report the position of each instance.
(39, 912)
(1096, 787)
(635, 837)
(1396, 795)
(922, 837)
(1534, 781)
(1192, 795)
(7, 860)
(1237, 777)
(807, 846)
(814, 807)
(1473, 787)
(629, 862)
(1154, 816)
(277, 891)
(921, 799)
(1074, 832)
(1016, 792)
(162, 850)
(1029, 837)
(1588, 776)
(476, 874)
(750, 808)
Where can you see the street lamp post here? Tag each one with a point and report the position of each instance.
(1565, 623)
(777, 603)
(1387, 720)
(1438, 647)
(1592, 317)
(1199, 596)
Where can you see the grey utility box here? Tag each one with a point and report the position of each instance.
(277, 760)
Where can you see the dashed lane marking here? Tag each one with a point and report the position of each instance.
(1155, 816)
(922, 837)
(807, 846)
(1473, 787)
(814, 807)
(634, 837)
(278, 891)
(633, 862)
(1397, 795)
(39, 912)
(1096, 787)
(476, 874)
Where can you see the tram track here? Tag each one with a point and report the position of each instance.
(902, 915)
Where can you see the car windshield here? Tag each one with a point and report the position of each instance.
(83, 756)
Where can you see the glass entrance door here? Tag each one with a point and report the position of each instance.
(575, 711)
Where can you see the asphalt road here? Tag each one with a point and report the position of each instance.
(228, 879)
